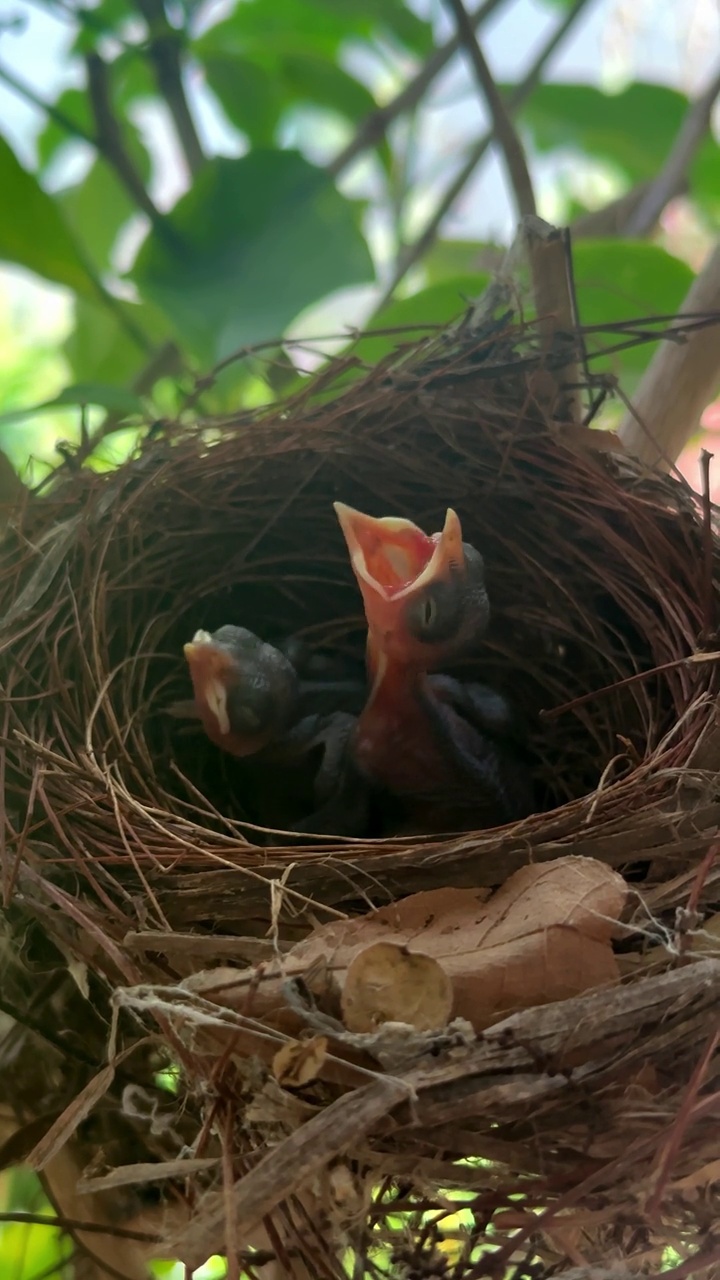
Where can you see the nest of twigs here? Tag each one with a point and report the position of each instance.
(136, 858)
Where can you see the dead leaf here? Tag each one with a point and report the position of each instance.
(299, 1062)
(386, 983)
(545, 935)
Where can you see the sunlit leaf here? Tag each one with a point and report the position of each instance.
(390, 16)
(33, 232)
(286, 26)
(132, 78)
(625, 280)
(105, 18)
(449, 258)
(115, 398)
(633, 129)
(96, 209)
(75, 106)
(100, 349)
(260, 239)
(249, 95)
(314, 27)
(415, 317)
(314, 79)
(255, 91)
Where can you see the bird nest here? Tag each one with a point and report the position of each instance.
(479, 1055)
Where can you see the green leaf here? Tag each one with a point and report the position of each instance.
(99, 206)
(114, 398)
(73, 104)
(33, 232)
(633, 129)
(261, 239)
(132, 79)
(95, 210)
(105, 18)
(255, 91)
(283, 26)
(307, 78)
(439, 304)
(448, 258)
(249, 95)
(624, 280)
(391, 17)
(100, 350)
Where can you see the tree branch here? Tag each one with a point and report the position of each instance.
(414, 252)
(164, 53)
(28, 94)
(612, 218)
(376, 125)
(672, 177)
(109, 139)
(503, 128)
(679, 383)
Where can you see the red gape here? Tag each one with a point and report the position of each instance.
(420, 737)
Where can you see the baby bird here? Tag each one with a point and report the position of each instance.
(444, 748)
(252, 702)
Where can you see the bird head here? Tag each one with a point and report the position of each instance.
(424, 594)
(245, 689)
(213, 671)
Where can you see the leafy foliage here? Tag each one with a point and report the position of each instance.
(235, 271)
(257, 233)
(33, 231)
(632, 130)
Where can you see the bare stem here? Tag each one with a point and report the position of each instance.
(673, 175)
(376, 125)
(503, 128)
(28, 94)
(520, 94)
(109, 139)
(165, 54)
(679, 382)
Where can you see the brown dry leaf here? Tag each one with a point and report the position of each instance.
(299, 1062)
(386, 983)
(545, 935)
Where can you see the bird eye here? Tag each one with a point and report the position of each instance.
(428, 613)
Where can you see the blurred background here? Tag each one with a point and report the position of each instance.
(239, 186)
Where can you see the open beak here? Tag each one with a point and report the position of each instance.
(210, 670)
(392, 560)
(393, 557)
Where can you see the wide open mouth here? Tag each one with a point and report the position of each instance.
(394, 556)
(210, 668)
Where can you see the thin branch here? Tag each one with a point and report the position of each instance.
(679, 383)
(519, 95)
(164, 52)
(109, 139)
(709, 630)
(612, 218)
(28, 94)
(672, 177)
(376, 125)
(165, 362)
(504, 131)
(71, 1224)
